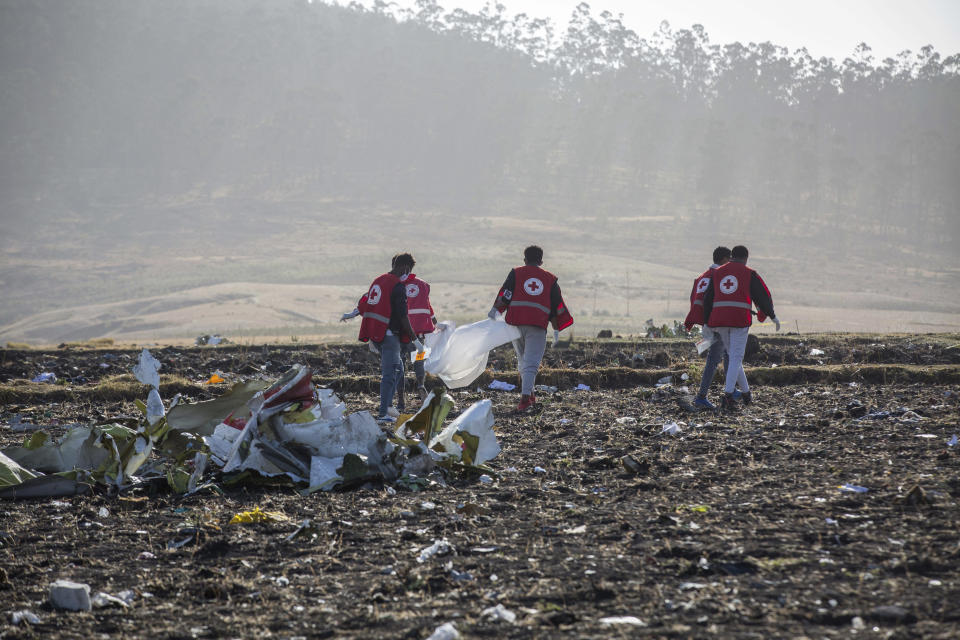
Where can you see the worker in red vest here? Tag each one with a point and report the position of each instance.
(422, 319)
(386, 323)
(716, 353)
(727, 305)
(532, 300)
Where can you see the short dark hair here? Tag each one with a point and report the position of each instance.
(403, 260)
(720, 254)
(533, 255)
(739, 252)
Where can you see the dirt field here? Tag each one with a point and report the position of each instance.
(733, 528)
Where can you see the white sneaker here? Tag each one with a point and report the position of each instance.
(386, 420)
(391, 411)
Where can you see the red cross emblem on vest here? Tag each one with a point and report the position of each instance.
(729, 284)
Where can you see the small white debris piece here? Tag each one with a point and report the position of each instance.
(857, 623)
(440, 547)
(575, 531)
(539, 470)
(147, 370)
(632, 621)
(952, 442)
(499, 613)
(24, 616)
(485, 479)
(446, 631)
(72, 596)
(627, 420)
(671, 428)
(816, 352)
(103, 600)
(104, 512)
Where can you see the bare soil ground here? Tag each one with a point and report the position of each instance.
(734, 527)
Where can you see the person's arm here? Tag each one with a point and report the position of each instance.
(505, 295)
(556, 300)
(761, 297)
(356, 310)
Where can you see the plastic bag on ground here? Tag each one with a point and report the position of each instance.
(459, 354)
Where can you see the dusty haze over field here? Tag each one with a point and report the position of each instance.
(175, 168)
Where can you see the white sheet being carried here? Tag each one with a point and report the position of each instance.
(458, 355)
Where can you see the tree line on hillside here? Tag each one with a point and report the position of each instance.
(118, 100)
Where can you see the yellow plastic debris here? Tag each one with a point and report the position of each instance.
(251, 517)
(215, 378)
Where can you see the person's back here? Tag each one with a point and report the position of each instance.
(532, 300)
(727, 306)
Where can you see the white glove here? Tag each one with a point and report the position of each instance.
(418, 345)
(493, 313)
(373, 347)
(776, 323)
(556, 337)
(348, 316)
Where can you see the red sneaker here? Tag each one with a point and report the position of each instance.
(526, 402)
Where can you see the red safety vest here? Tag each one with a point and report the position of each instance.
(418, 305)
(731, 295)
(530, 300)
(375, 308)
(700, 285)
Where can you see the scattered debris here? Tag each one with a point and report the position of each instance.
(255, 516)
(498, 385)
(24, 616)
(439, 548)
(671, 428)
(631, 621)
(285, 429)
(446, 631)
(499, 613)
(852, 488)
(46, 378)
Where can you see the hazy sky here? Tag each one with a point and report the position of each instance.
(826, 27)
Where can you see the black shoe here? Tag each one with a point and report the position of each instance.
(728, 404)
(747, 397)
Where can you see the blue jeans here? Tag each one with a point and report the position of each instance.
(714, 356)
(391, 371)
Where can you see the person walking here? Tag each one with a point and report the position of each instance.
(423, 320)
(532, 300)
(716, 353)
(387, 324)
(727, 305)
